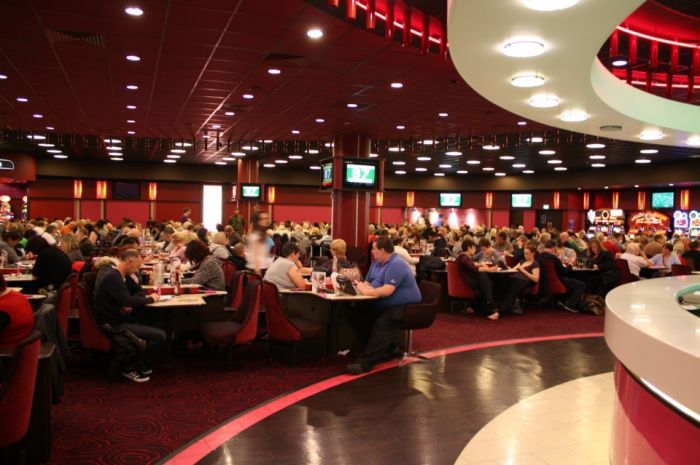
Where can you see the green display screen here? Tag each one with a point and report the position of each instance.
(521, 200)
(450, 199)
(327, 174)
(250, 191)
(359, 174)
(662, 200)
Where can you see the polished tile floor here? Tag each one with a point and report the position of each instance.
(427, 413)
(566, 424)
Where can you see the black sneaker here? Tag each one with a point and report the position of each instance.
(359, 368)
(135, 376)
(566, 307)
(146, 372)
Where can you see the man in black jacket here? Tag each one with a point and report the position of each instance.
(118, 299)
(573, 299)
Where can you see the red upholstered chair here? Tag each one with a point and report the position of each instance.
(235, 291)
(92, 337)
(77, 266)
(242, 327)
(456, 287)
(229, 269)
(623, 269)
(552, 284)
(64, 304)
(17, 390)
(422, 315)
(511, 261)
(283, 329)
(680, 270)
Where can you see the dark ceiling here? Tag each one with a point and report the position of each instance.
(688, 7)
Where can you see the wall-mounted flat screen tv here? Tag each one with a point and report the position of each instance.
(326, 174)
(450, 199)
(251, 191)
(359, 173)
(662, 200)
(126, 190)
(521, 200)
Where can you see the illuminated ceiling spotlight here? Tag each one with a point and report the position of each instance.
(544, 101)
(523, 48)
(314, 33)
(651, 134)
(549, 5)
(527, 80)
(573, 116)
(595, 145)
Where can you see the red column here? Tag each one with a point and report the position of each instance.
(350, 209)
(248, 171)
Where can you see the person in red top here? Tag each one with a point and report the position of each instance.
(611, 246)
(16, 316)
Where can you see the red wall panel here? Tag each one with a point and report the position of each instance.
(183, 192)
(298, 213)
(54, 188)
(293, 195)
(500, 218)
(173, 210)
(50, 208)
(136, 211)
(529, 219)
(90, 209)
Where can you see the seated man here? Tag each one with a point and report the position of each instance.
(469, 271)
(391, 280)
(118, 300)
(487, 254)
(573, 299)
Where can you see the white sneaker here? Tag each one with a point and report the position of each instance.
(135, 376)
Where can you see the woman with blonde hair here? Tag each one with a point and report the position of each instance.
(218, 246)
(69, 244)
(178, 250)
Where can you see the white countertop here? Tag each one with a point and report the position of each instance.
(655, 338)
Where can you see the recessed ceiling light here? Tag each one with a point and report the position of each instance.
(397, 149)
(423, 158)
(549, 5)
(119, 154)
(230, 113)
(133, 58)
(49, 128)
(60, 156)
(636, 186)
(221, 163)
(439, 174)
(446, 166)
(53, 151)
(268, 165)
(491, 147)
(398, 163)
(507, 157)
(642, 161)
(651, 134)
(132, 87)
(296, 131)
(670, 184)
(473, 162)
(595, 145)
(314, 167)
(527, 80)
(252, 148)
(37, 115)
(373, 155)
(554, 162)
(248, 96)
(523, 48)
(3, 76)
(573, 116)
(281, 162)
(518, 165)
(113, 147)
(396, 85)
(427, 142)
(500, 173)
(560, 168)
(528, 172)
(597, 157)
(598, 165)
(131, 121)
(183, 144)
(606, 187)
(169, 161)
(22, 99)
(131, 107)
(216, 126)
(693, 141)
(45, 144)
(453, 153)
(35, 137)
(295, 157)
(544, 101)
(522, 123)
(400, 127)
(619, 63)
(536, 140)
(116, 159)
(648, 151)
(488, 168)
(547, 152)
(443, 115)
(320, 120)
(228, 159)
(175, 157)
(462, 171)
(178, 150)
(313, 151)
(238, 154)
(351, 105)
(314, 33)
(421, 169)
(133, 11)
(400, 172)
(131, 133)
(274, 71)
(328, 144)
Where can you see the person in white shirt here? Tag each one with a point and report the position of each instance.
(665, 259)
(403, 253)
(635, 260)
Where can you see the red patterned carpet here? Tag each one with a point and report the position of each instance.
(121, 423)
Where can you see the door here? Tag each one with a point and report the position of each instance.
(549, 219)
(516, 218)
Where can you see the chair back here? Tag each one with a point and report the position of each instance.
(422, 315)
(17, 390)
(235, 289)
(77, 266)
(680, 270)
(91, 336)
(623, 269)
(247, 314)
(251, 277)
(456, 287)
(65, 301)
(691, 264)
(552, 281)
(510, 260)
(356, 255)
(89, 280)
(279, 328)
(229, 269)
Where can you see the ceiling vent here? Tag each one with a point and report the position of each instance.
(57, 37)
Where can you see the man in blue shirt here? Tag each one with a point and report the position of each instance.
(391, 280)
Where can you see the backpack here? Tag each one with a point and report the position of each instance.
(594, 304)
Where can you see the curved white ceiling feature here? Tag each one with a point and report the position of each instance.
(477, 32)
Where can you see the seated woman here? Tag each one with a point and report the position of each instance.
(665, 259)
(16, 317)
(69, 244)
(284, 272)
(52, 265)
(635, 260)
(207, 268)
(605, 262)
(178, 246)
(528, 273)
(469, 270)
(218, 246)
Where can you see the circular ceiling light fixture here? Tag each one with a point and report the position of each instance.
(648, 151)
(131, 133)
(528, 172)
(351, 105)
(421, 170)
(522, 123)
(400, 172)
(314, 33)
(491, 147)
(248, 96)
(523, 48)
(274, 71)
(296, 131)
(423, 158)
(500, 174)
(216, 126)
(595, 145)
(651, 134)
(453, 153)
(313, 151)
(547, 152)
(230, 113)
(174, 157)
(183, 144)
(133, 58)
(221, 163)
(164, 161)
(396, 85)
(373, 155)
(445, 166)
(400, 127)
(519, 165)
(560, 168)
(133, 11)
(36, 137)
(642, 161)
(49, 128)
(693, 141)
(462, 172)
(132, 87)
(597, 157)
(507, 157)
(598, 165)
(314, 167)
(281, 162)
(398, 163)
(554, 162)
(488, 168)
(37, 115)
(397, 149)
(60, 156)
(268, 165)
(53, 151)
(3, 77)
(442, 114)
(178, 150)
(619, 63)
(473, 162)
(439, 174)
(238, 154)
(131, 107)
(320, 120)
(573, 116)
(428, 142)
(544, 101)
(295, 157)
(45, 144)
(536, 140)
(549, 5)
(131, 121)
(527, 80)
(22, 99)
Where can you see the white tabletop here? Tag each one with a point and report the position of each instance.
(328, 295)
(19, 278)
(655, 338)
(190, 300)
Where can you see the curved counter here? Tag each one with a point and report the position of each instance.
(656, 419)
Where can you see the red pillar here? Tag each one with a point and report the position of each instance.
(350, 209)
(248, 172)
